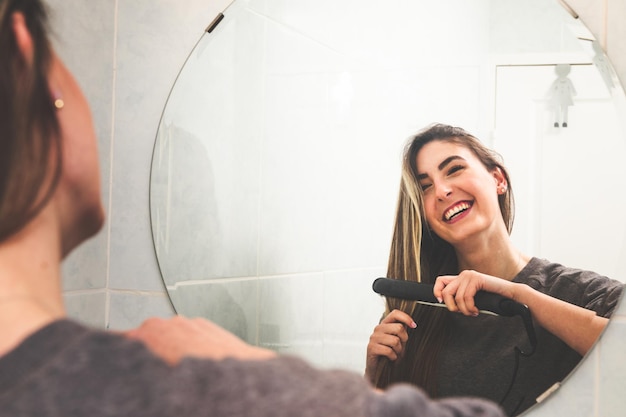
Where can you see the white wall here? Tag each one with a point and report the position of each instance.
(126, 55)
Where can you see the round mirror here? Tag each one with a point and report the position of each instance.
(277, 161)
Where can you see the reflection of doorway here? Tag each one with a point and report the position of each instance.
(563, 178)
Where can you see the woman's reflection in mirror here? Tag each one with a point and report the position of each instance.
(452, 229)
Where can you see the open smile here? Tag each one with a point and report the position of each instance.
(456, 210)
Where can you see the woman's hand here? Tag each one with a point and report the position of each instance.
(458, 291)
(179, 337)
(578, 327)
(388, 340)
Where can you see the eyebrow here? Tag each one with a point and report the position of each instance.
(442, 165)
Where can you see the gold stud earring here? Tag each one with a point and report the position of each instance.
(58, 101)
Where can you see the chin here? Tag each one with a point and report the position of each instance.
(89, 224)
(94, 221)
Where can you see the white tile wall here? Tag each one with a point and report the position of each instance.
(606, 366)
(76, 33)
(126, 55)
(150, 37)
(234, 303)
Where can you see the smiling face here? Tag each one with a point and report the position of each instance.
(460, 195)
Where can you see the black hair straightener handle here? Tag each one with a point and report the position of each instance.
(485, 301)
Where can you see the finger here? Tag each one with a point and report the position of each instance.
(385, 332)
(388, 346)
(440, 283)
(461, 299)
(465, 296)
(450, 302)
(397, 316)
(378, 352)
(448, 294)
(394, 329)
(394, 343)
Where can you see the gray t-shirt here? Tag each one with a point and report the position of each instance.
(66, 370)
(480, 360)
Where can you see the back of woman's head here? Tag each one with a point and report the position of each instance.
(30, 156)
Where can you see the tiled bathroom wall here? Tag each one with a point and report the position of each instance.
(595, 389)
(126, 54)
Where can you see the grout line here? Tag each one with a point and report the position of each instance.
(261, 190)
(107, 305)
(147, 293)
(290, 276)
(90, 291)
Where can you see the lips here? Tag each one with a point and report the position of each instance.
(456, 210)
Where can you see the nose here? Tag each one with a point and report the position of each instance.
(443, 191)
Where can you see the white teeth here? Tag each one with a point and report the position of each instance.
(456, 210)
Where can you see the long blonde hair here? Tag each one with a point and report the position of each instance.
(418, 254)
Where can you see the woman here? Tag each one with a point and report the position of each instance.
(52, 366)
(453, 220)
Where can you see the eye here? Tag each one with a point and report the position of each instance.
(425, 186)
(454, 169)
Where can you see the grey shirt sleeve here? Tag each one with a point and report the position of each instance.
(289, 386)
(405, 401)
(586, 289)
(66, 370)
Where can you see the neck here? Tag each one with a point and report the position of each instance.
(496, 257)
(30, 287)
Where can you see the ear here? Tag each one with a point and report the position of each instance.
(23, 38)
(500, 179)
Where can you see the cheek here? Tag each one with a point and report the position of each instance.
(488, 188)
(430, 211)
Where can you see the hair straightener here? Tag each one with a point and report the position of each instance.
(486, 302)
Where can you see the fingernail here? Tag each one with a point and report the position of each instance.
(413, 325)
(440, 300)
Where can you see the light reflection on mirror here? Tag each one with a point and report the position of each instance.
(277, 160)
